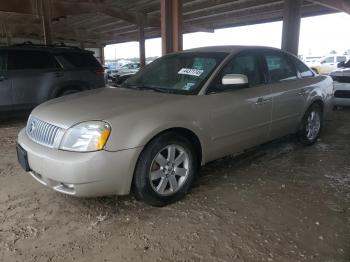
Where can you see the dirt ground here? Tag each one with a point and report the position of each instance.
(279, 202)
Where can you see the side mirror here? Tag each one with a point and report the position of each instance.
(234, 80)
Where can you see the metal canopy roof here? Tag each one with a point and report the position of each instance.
(114, 21)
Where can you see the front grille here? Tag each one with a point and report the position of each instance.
(341, 79)
(41, 132)
(342, 94)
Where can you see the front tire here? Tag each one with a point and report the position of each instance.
(311, 125)
(165, 170)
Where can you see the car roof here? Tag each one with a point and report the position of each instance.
(53, 49)
(230, 48)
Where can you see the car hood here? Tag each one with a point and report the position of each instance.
(341, 72)
(99, 104)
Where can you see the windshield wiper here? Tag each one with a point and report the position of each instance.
(153, 88)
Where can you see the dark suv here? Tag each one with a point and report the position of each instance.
(31, 74)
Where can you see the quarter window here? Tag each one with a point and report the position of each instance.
(280, 68)
(24, 59)
(80, 59)
(247, 65)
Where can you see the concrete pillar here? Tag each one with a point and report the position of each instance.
(171, 25)
(291, 25)
(142, 45)
(46, 21)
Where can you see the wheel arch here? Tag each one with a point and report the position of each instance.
(76, 85)
(186, 132)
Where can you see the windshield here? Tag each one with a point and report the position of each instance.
(183, 73)
(347, 64)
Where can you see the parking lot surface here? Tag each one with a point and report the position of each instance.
(278, 202)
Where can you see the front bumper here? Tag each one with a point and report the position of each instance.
(91, 174)
(341, 94)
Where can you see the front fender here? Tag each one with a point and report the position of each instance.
(133, 134)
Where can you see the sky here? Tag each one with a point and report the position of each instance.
(318, 36)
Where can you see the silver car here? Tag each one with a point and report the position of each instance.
(177, 114)
(32, 74)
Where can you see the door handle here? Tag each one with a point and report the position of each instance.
(262, 100)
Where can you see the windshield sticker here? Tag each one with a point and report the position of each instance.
(188, 86)
(190, 71)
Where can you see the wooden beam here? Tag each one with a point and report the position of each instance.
(171, 25)
(339, 5)
(46, 21)
(177, 25)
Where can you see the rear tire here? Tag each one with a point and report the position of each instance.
(311, 125)
(165, 170)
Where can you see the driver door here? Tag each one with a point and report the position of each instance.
(241, 116)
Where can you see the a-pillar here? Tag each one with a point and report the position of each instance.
(291, 25)
(171, 26)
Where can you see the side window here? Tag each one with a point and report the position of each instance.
(247, 65)
(25, 59)
(328, 60)
(280, 68)
(302, 68)
(341, 59)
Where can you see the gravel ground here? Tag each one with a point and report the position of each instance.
(279, 202)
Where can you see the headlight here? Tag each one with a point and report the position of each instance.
(86, 137)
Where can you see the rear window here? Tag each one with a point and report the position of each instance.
(341, 59)
(29, 59)
(80, 59)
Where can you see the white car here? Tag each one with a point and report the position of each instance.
(328, 64)
(341, 78)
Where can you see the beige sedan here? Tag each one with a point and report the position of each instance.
(180, 112)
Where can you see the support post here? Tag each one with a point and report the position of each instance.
(8, 34)
(102, 55)
(46, 21)
(171, 25)
(291, 26)
(142, 44)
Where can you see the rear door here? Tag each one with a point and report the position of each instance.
(288, 93)
(33, 73)
(5, 83)
(241, 116)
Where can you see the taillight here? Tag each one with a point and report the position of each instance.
(100, 71)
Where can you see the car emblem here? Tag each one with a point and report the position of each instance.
(32, 127)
